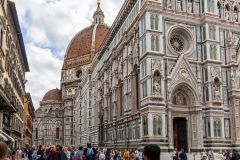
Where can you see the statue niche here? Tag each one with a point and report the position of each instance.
(156, 83)
(216, 89)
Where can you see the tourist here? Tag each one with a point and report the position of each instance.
(72, 153)
(60, 154)
(29, 152)
(235, 155)
(126, 155)
(40, 153)
(219, 156)
(175, 154)
(13, 155)
(79, 154)
(137, 154)
(34, 154)
(3, 151)
(19, 154)
(101, 155)
(67, 152)
(52, 153)
(89, 152)
(151, 152)
(210, 155)
(132, 155)
(112, 154)
(182, 155)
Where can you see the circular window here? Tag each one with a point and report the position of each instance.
(177, 43)
(180, 40)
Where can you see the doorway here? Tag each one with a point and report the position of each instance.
(180, 139)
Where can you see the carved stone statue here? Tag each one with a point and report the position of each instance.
(226, 14)
(235, 16)
(217, 92)
(190, 6)
(157, 86)
(156, 83)
(179, 5)
(169, 3)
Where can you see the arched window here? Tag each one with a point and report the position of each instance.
(79, 74)
(154, 21)
(159, 126)
(217, 128)
(211, 5)
(145, 125)
(155, 126)
(155, 43)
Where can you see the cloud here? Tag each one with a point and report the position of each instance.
(45, 72)
(48, 26)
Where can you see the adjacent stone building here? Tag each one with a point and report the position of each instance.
(28, 120)
(13, 66)
(167, 73)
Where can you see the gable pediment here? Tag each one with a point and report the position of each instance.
(182, 72)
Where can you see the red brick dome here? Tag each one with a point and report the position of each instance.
(84, 45)
(53, 95)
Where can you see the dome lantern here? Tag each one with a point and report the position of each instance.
(98, 15)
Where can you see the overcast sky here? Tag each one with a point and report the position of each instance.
(48, 26)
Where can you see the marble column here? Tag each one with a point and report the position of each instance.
(170, 127)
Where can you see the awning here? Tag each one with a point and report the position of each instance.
(9, 138)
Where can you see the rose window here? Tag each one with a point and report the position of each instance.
(180, 40)
(177, 43)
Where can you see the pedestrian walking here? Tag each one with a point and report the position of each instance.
(151, 152)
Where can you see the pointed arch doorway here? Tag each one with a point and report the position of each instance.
(183, 99)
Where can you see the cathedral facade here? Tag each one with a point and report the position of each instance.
(166, 73)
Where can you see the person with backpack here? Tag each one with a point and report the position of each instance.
(79, 154)
(182, 155)
(89, 152)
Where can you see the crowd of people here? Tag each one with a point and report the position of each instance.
(151, 152)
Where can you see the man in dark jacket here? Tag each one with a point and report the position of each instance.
(60, 154)
(40, 153)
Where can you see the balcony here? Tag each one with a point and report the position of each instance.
(6, 99)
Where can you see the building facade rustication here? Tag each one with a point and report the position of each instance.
(167, 73)
(13, 66)
(28, 117)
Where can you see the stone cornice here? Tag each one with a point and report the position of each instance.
(127, 7)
